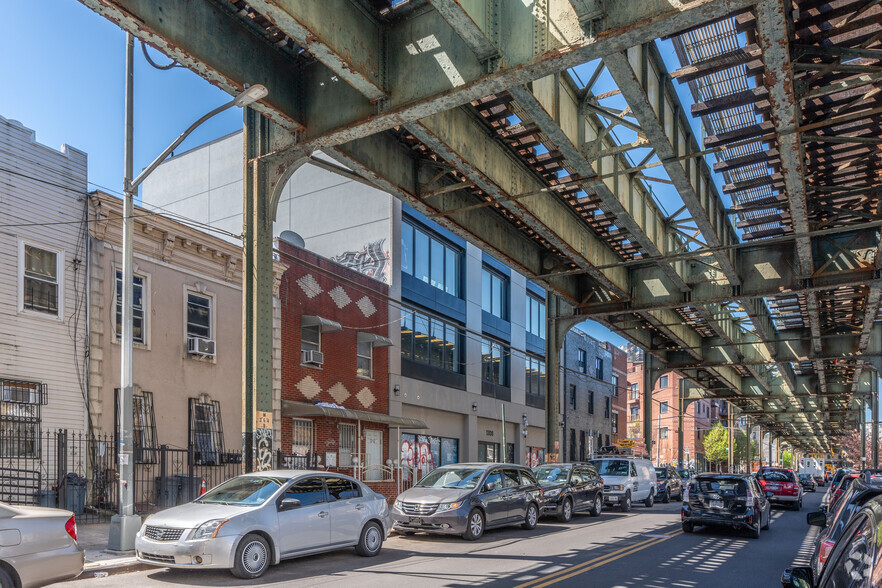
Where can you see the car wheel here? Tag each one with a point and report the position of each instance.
(768, 520)
(566, 511)
(474, 526)
(371, 540)
(667, 497)
(688, 527)
(531, 517)
(650, 500)
(798, 504)
(6, 580)
(754, 532)
(252, 557)
(598, 506)
(626, 502)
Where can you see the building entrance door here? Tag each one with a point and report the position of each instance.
(373, 448)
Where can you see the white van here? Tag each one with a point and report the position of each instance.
(626, 480)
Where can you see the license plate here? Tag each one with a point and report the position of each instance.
(415, 521)
(613, 498)
(716, 503)
(774, 487)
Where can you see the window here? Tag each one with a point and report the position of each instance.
(663, 433)
(365, 359)
(206, 431)
(342, 489)
(301, 436)
(144, 428)
(606, 407)
(198, 315)
(20, 404)
(615, 383)
(348, 448)
(615, 422)
(535, 382)
(309, 491)
(494, 362)
(583, 361)
(139, 327)
(488, 452)
(41, 277)
(430, 259)
(431, 341)
(663, 408)
(663, 382)
(573, 396)
(590, 401)
(494, 293)
(635, 413)
(635, 391)
(598, 368)
(428, 451)
(535, 316)
(310, 338)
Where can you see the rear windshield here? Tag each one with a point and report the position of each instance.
(805, 476)
(776, 476)
(723, 486)
(611, 467)
(661, 473)
(552, 473)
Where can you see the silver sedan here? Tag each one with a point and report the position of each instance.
(255, 520)
(38, 546)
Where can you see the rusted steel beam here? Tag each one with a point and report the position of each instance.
(760, 130)
(713, 105)
(858, 81)
(767, 156)
(752, 183)
(740, 56)
(775, 201)
(761, 220)
(458, 17)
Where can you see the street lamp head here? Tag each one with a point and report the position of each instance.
(250, 95)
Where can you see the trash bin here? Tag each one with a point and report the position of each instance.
(167, 489)
(189, 487)
(74, 493)
(48, 498)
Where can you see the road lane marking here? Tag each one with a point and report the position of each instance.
(595, 562)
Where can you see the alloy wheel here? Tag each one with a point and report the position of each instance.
(254, 557)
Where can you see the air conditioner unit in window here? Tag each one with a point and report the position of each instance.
(201, 347)
(312, 357)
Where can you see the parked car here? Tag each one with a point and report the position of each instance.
(685, 473)
(820, 481)
(569, 488)
(783, 486)
(253, 521)
(835, 479)
(39, 546)
(808, 482)
(854, 560)
(726, 500)
(626, 479)
(468, 498)
(840, 489)
(669, 484)
(860, 492)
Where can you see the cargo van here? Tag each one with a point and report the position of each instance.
(626, 480)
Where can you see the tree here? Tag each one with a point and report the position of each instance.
(741, 454)
(716, 444)
(787, 459)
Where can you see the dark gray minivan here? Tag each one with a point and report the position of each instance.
(467, 498)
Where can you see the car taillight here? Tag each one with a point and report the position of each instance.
(71, 527)
(826, 547)
(763, 483)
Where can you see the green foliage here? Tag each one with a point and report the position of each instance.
(741, 448)
(787, 459)
(716, 444)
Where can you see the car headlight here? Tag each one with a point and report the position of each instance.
(617, 487)
(209, 529)
(449, 506)
(398, 504)
(551, 493)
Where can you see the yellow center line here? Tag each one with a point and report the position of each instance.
(596, 562)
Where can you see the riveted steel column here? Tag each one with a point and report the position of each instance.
(554, 337)
(681, 410)
(874, 436)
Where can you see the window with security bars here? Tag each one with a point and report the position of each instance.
(347, 445)
(206, 432)
(301, 436)
(145, 447)
(40, 284)
(20, 413)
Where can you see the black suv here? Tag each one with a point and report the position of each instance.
(808, 482)
(568, 488)
(725, 500)
(669, 484)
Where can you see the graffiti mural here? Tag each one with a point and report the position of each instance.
(263, 450)
(372, 260)
(535, 456)
(424, 453)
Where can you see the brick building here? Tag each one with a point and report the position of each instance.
(335, 369)
(620, 393)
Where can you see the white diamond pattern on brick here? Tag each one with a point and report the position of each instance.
(366, 307)
(309, 387)
(309, 286)
(339, 393)
(339, 296)
(366, 397)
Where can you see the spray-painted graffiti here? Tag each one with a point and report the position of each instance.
(424, 453)
(535, 456)
(263, 450)
(372, 260)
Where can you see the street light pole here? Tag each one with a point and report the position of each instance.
(124, 526)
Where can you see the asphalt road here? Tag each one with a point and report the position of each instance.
(644, 548)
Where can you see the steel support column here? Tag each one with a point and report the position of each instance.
(560, 319)
(681, 409)
(875, 430)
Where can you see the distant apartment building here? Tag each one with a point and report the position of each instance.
(467, 332)
(620, 393)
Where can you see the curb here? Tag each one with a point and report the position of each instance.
(102, 569)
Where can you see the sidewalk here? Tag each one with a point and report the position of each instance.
(99, 561)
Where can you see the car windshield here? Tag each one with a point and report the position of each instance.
(243, 491)
(550, 473)
(722, 486)
(661, 473)
(611, 467)
(805, 476)
(773, 476)
(452, 478)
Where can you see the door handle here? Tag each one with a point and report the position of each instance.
(322, 514)
(359, 506)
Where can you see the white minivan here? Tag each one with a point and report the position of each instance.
(626, 480)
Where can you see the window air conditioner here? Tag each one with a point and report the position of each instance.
(200, 346)
(312, 357)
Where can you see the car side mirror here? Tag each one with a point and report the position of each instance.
(769, 494)
(489, 486)
(288, 504)
(816, 519)
(800, 577)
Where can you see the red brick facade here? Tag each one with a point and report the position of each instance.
(620, 393)
(316, 286)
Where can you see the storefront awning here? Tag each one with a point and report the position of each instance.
(326, 325)
(377, 340)
(291, 408)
